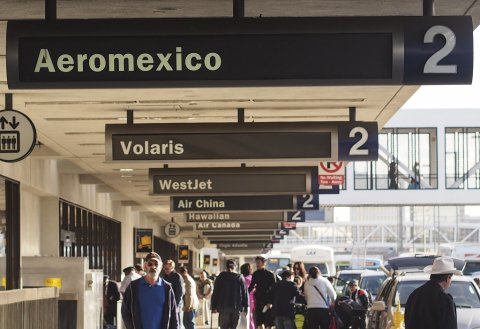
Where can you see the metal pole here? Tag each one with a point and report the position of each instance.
(130, 117)
(428, 7)
(352, 112)
(50, 9)
(238, 8)
(241, 115)
(8, 102)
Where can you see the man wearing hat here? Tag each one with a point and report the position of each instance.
(130, 275)
(229, 297)
(429, 306)
(149, 302)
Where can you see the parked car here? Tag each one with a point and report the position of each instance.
(400, 285)
(371, 282)
(343, 277)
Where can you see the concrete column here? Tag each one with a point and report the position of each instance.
(49, 226)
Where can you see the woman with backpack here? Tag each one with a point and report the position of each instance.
(319, 294)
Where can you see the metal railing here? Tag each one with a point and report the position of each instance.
(35, 308)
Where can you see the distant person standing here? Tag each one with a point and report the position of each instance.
(262, 281)
(190, 299)
(430, 306)
(299, 270)
(229, 297)
(282, 301)
(204, 293)
(246, 271)
(111, 295)
(318, 291)
(393, 176)
(359, 312)
(170, 275)
(130, 275)
(149, 302)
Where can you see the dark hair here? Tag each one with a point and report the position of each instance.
(182, 270)
(301, 267)
(440, 277)
(230, 264)
(313, 272)
(286, 274)
(261, 258)
(245, 269)
(477, 281)
(138, 267)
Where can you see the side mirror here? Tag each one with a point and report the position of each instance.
(379, 306)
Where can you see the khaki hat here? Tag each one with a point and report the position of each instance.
(442, 265)
(153, 255)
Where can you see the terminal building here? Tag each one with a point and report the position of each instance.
(87, 197)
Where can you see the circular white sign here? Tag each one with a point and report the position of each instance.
(17, 136)
(172, 230)
(199, 243)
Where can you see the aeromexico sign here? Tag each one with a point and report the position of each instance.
(138, 53)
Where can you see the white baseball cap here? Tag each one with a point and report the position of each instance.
(442, 265)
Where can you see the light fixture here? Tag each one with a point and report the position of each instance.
(126, 169)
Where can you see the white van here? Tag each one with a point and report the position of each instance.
(315, 255)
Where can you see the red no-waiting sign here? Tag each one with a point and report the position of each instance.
(331, 167)
(331, 173)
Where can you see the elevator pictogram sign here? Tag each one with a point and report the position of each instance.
(331, 173)
(17, 136)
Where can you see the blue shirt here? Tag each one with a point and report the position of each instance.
(151, 303)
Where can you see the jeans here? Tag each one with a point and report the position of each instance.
(284, 322)
(189, 319)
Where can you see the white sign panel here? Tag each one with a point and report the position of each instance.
(331, 173)
(17, 136)
(172, 230)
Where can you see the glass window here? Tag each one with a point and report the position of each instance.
(88, 234)
(462, 158)
(407, 160)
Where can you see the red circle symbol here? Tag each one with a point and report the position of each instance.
(331, 167)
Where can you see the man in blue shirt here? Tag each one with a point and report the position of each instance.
(149, 302)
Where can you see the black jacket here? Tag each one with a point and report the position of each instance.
(282, 297)
(430, 307)
(262, 282)
(229, 293)
(176, 281)
(131, 316)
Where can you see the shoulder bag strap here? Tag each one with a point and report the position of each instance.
(320, 294)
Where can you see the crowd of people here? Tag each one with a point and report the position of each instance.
(156, 296)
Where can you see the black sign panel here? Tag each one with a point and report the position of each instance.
(240, 245)
(330, 141)
(232, 226)
(248, 233)
(230, 181)
(244, 203)
(139, 53)
(234, 217)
